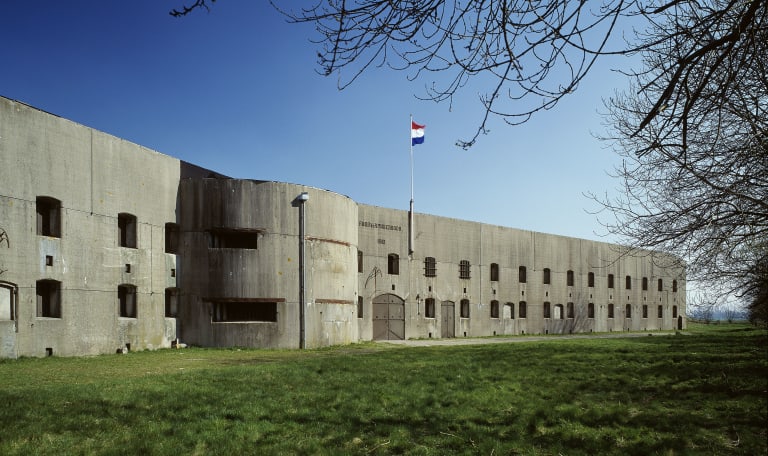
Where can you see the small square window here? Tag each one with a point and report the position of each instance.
(128, 268)
(49, 260)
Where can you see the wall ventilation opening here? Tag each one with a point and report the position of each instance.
(49, 351)
(430, 335)
(49, 260)
(465, 334)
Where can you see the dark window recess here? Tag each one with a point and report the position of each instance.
(521, 275)
(494, 272)
(359, 307)
(569, 278)
(509, 310)
(48, 216)
(645, 311)
(628, 284)
(393, 264)
(359, 261)
(48, 298)
(226, 311)
(674, 286)
(464, 310)
(610, 280)
(126, 230)
(610, 310)
(645, 283)
(547, 310)
(7, 301)
(171, 302)
(430, 267)
(171, 238)
(661, 285)
(547, 276)
(559, 312)
(234, 239)
(591, 310)
(494, 309)
(628, 311)
(523, 309)
(126, 297)
(660, 312)
(591, 279)
(464, 269)
(674, 311)
(429, 308)
(570, 310)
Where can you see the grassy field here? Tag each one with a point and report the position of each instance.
(704, 392)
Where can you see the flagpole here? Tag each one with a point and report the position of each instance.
(410, 210)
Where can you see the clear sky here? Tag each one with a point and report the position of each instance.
(236, 90)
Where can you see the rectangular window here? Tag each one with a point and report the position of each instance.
(429, 308)
(591, 280)
(523, 309)
(126, 297)
(547, 310)
(359, 307)
(674, 311)
(48, 298)
(230, 238)
(547, 276)
(126, 230)
(661, 285)
(494, 309)
(171, 238)
(359, 261)
(171, 302)
(628, 311)
(569, 279)
(48, 216)
(509, 310)
(521, 275)
(645, 311)
(674, 286)
(610, 280)
(660, 312)
(430, 267)
(244, 311)
(645, 283)
(464, 311)
(591, 310)
(494, 272)
(393, 264)
(610, 310)
(628, 283)
(569, 310)
(464, 269)
(7, 301)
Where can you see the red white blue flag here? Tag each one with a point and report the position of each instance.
(417, 133)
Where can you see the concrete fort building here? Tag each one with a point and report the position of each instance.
(106, 245)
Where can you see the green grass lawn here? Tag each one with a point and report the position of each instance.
(704, 392)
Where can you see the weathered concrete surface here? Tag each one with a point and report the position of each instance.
(459, 341)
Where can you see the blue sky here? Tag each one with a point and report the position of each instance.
(237, 90)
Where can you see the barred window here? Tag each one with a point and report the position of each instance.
(464, 269)
(430, 267)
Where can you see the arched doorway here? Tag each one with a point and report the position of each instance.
(388, 317)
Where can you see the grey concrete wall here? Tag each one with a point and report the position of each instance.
(95, 176)
(269, 272)
(449, 241)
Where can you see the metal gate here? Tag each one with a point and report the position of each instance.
(447, 320)
(388, 317)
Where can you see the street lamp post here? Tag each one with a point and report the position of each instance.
(299, 202)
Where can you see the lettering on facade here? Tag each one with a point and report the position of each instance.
(381, 226)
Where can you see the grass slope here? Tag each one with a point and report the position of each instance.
(701, 393)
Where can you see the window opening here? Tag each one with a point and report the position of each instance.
(521, 275)
(126, 297)
(660, 288)
(494, 272)
(610, 280)
(523, 309)
(7, 301)
(126, 225)
(509, 311)
(628, 311)
(660, 312)
(610, 310)
(645, 311)
(393, 264)
(48, 216)
(48, 298)
(591, 279)
(228, 238)
(430, 267)
(569, 278)
(494, 309)
(171, 302)
(429, 308)
(171, 238)
(547, 310)
(591, 310)
(628, 284)
(674, 311)
(569, 309)
(674, 286)
(244, 311)
(645, 283)
(464, 269)
(359, 307)
(547, 276)
(359, 261)
(464, 311)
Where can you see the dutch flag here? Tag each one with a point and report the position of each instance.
(417, 133)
